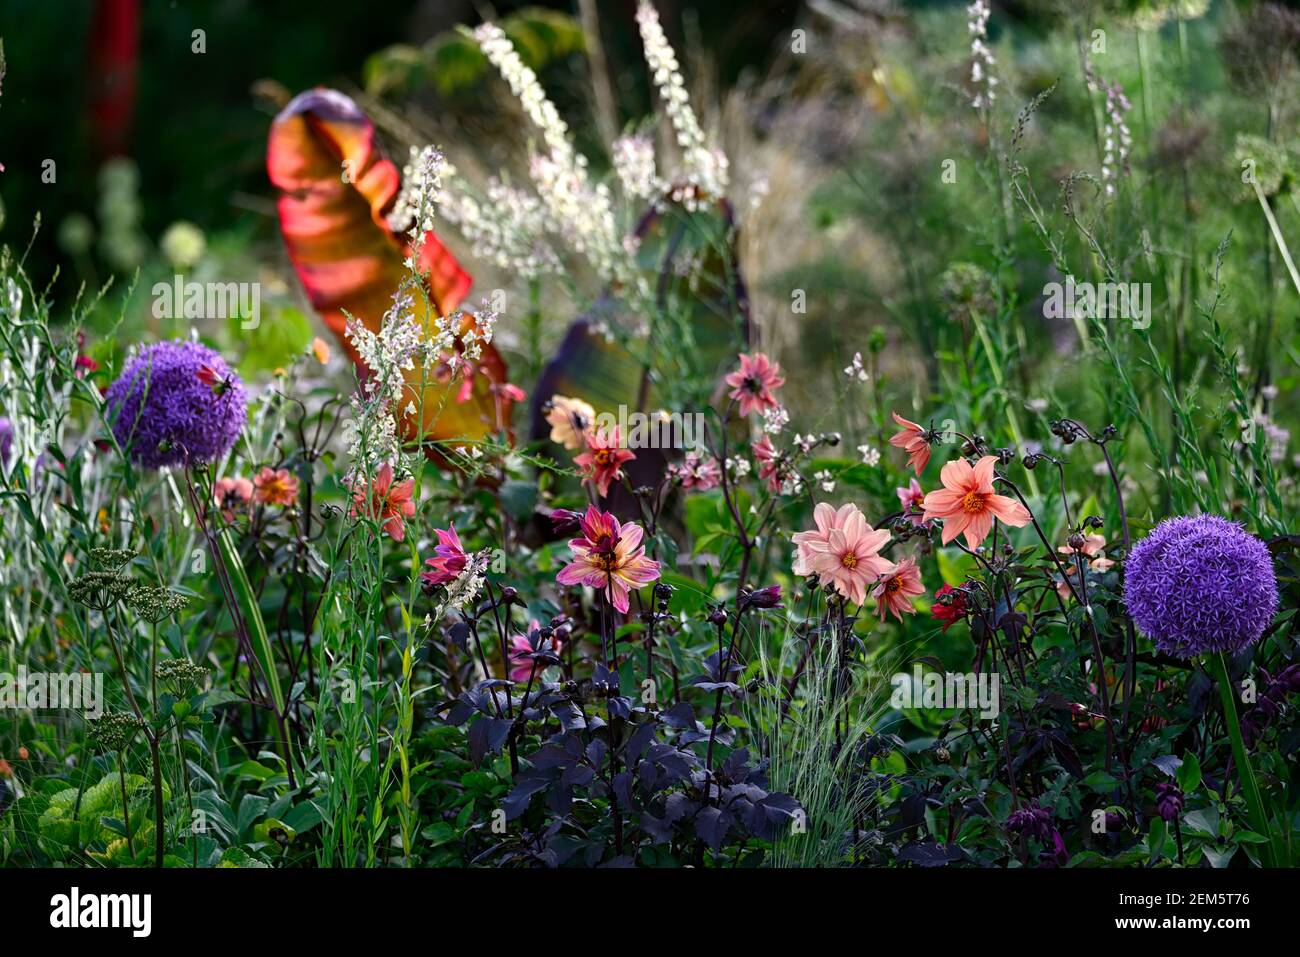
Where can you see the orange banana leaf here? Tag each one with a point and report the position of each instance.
(336, 189)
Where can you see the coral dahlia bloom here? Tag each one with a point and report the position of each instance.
(613, 560)
(231, 495)
(844, 551)
(390, 505)
(967, 503)
(602, 463)
(448, 558)
(275, 487)
(897, 588)
(570, 420)
(912, 440)
(752, 384)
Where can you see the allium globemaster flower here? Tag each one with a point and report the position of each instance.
(1200, 584)
(912, 439)
(390, 505)
(967, 503)
(275, 487)
(753, 383)
(176, 402)
(609, 556)
(602, 463)
(897, 588)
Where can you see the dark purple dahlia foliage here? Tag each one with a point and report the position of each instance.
(1200, 584)
(176, 402)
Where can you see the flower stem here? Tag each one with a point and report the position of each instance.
(1249, 787)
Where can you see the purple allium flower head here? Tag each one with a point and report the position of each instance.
(176, 402)
(1200, 584)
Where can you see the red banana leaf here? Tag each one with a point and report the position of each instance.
(337, 187)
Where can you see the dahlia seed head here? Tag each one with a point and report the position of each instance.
(1200, 584)
(176, 402)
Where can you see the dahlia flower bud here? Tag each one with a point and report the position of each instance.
(1169, 800)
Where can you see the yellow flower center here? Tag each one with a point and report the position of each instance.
(849, 560)
(893, 585)
(602, 456)
(972, 503)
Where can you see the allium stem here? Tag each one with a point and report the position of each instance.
(1246, 774)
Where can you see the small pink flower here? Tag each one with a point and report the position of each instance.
(610, 557)
(967, 502)
(752, 384)
(390, 505)
(912, 439)
(771, 465)
(521, 647)
(1093, 549)
(912, 499)
(602, 463)
(896, 590)
(449, 558)
(844, 551)
(697, 472)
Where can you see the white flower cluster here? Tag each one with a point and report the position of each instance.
(507, 228)
(856, 370)
(738, 467)
(466, 586)
(420, 193)
(496, 46)
(775, 420)
(1117, 139)
(705, 169)
(582, 212)
(982, 62)
(634, 162)
(389, 354)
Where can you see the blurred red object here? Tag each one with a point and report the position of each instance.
(114, 51)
